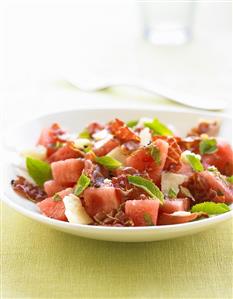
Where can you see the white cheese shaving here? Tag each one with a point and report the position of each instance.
(117, 154)
(81, 142)
(38, 152)
(181, 213)
(100, 135)
(170, 180)
(74, 210)
(143, 120)
(102, 142)
(145, 136)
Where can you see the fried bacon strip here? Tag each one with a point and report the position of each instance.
(174, 152)
(116, 217)
(119, 129)
(211, 128)
(28, 190)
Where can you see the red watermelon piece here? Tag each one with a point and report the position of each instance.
(54, 209)
(51, 187)
(138, 210)
(64, 153)
(68, 171)
(222, 158)
(103, 199)
(142, 160)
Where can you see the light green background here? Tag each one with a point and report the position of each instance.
(39, 262)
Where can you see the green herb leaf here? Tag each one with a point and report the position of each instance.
(195, 162)
(155, 153)
(108, 162)
(212, 169)
(158, 128)
(82, 184)
(172, 193)
(148, 220)
(146, 185)
(230, 179)
(210, 208)
(84, 134)
(56, 197)
(208, 146)
(132, 123)
(39, 170)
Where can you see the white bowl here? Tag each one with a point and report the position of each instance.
(26, 134)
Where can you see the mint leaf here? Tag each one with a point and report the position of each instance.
(230, 179)
(208, 146)
(146, 185)
(158, 128)
(56, 197)
(82, 184)
(172, 193)
(148, 220)
(155, 153)
(132, 123)
(211, 208)
(39, 170)
(108, 162)
(212, 169)
(194, 161)
(84, 134)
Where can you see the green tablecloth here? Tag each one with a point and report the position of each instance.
(38, 262)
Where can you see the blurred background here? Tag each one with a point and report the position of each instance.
(52, 46)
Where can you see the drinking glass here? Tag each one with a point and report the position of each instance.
(167, 22)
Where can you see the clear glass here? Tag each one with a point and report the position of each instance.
(167, 22)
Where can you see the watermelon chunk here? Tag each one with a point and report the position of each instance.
(54, 209)
(68, 171)
(51, 187)
(142, 160)
(63, 153)
(138, 210)
(103, 199)
(222, 158)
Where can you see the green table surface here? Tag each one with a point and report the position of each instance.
(39, 262)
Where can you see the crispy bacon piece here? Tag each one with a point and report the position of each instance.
(49, 138)
(96, 173)
(117, 217)
(173, 162)
(119, 129)
(126, 190)
(28, 190)
(94, 127)
(211, 128)
(209, 186)
(107, 147)
(189, 143)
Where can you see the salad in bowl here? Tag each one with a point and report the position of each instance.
(138, 173)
